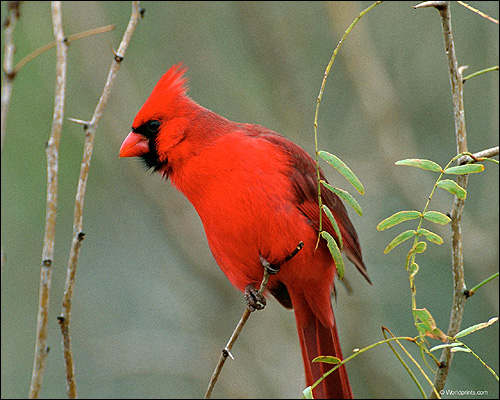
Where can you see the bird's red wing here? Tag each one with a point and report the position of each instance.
(303, 176)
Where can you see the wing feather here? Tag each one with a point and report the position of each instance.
(303, 177)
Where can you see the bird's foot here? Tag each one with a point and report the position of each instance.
(255, 301)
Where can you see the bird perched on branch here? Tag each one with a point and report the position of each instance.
(257, 196)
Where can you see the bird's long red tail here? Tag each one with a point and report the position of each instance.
(318, 340)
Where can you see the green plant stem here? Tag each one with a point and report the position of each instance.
(479, 358)
(483, 71)
(358, 352)
(416, 364)
(403, 363)
(320, 96)
(473, 290)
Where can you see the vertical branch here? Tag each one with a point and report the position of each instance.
(8, 61)
(456, 81)
(459, 287)
(52, 151)
(78, 235)
(8, 74)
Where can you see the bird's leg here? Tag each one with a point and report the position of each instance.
(256, 301)
(274, 268)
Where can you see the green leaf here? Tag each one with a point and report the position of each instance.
(400, 239)
(452, 187)
(409, 258)
(464, 169)
(424, 164)
(430, 236)
(414, 269)
(434, 333)
(422, 314)
(397, 218)
(442, 346)
(420, 247)
(475, 328)
(327, 359)
(437, 217)
(330, 216)
(308, 393)
(428, 325)
(340, 166)
(455, 349)
(346, 196)
(335, 252)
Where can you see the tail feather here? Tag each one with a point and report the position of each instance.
(318, 340)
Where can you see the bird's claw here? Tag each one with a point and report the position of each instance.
(255, 301)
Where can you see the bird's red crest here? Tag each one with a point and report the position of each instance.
(166, 96)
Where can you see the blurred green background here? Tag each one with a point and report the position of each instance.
(152, 310)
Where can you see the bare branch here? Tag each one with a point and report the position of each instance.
(51, 210)
(8, 60)
(478, 12)
(269, 269)
(485, 153)
(456, 80)
(436, 4)
(49, 46)
(8, 76)
(90, 129)
(227, 350)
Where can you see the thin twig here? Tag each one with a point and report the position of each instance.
(483, 71)
(402, 362)
(478, 12)
(479, 359)
(358, 352)
(8, 76)
(384, 329)
(435, 4)
(469, 293)
(69, 39)
(51, 211)
(227, 350)
(78, 235)
(456, 80)
(488, 153)
(269, 269)
(320, 96)
(8, 60)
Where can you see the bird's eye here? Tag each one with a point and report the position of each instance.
(153, 126)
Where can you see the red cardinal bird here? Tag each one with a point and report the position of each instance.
(256, 194)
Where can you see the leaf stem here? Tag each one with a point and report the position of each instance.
(470, 292)
(360, 351)
(483, 71)
(320, 96)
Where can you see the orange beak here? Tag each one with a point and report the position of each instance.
(134, 145)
